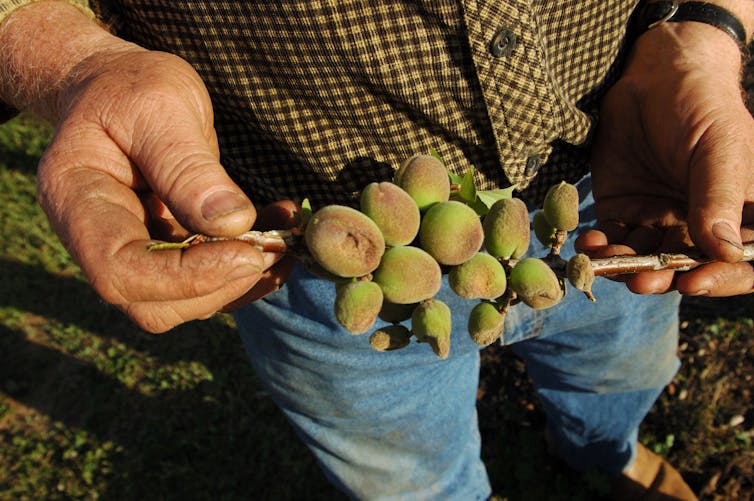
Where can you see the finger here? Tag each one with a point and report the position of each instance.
(102, 223)
(615, 231)
(161, 316)
(654, 206)
(718, 184)
(169, 143)
(136, 274)
(590, 241)
(717, 280)
(277, 215)
(644, 239)
(653, 282)
(270, 282)
(162, 224)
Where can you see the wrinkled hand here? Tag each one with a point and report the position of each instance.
(673, 161)
(135, 137)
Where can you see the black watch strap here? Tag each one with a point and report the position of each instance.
(653, 13)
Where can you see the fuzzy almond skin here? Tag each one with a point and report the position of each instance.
(485, 324)
(544, 231)
(561, 206)
(390, 338)
(451, 232)
(426, 179)
(535, 283)
(393, 210)
(481, 277)
(431, 322)
(580, 272)
(344, 241)
(408, 275)
(357, 305)
(507, 232)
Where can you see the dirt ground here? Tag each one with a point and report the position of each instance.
(703, 423)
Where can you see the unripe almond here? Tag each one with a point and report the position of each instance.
(395, 313)
(535, 283)
(486, 324)
(426, 179)
(357, 305)
(451, 232)
(390, 338)
(408, 275)
(544, 231)
(581, 274)
(344, 241)
(393, 210)
(481, 277)
(506, 229)
(431, 323)
(561, 206)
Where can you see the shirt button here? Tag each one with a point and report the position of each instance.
(532, 165)
(503, 43)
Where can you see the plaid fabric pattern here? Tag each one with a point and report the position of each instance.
(316, 99)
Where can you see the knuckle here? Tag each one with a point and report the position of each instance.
(152, 319)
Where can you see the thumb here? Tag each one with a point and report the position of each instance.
(718, 183)
(181, 165)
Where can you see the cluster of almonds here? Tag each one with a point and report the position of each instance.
(387, 258)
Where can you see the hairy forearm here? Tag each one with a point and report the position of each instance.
(42, 47)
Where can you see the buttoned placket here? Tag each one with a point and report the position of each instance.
(511, 69)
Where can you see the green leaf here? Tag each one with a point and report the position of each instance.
(303, 216)
(455, 180)
(489, 197)
(437, 155)
(467, 190)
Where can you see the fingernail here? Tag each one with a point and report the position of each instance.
(243, 271)
(703, 292)
(222, 203)
(725, 232)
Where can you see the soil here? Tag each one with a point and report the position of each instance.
(703, 423)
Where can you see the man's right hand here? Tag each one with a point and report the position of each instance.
(135, 125)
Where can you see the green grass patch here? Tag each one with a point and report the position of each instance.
(93, 408)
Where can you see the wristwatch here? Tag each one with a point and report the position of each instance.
(650, 14)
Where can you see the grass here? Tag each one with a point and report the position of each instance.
(93, 408)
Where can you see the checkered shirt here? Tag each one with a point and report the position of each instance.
(315, 99)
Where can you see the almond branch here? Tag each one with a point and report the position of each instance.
(291, 242)
(619, 265)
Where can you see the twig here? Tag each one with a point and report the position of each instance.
(266, 241)
(619, 265)
(288, 241)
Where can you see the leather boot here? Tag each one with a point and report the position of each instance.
(651, 477)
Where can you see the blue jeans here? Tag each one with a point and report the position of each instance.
(403, 425)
